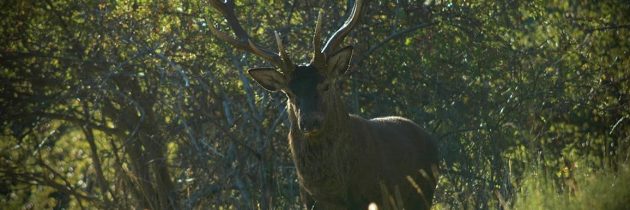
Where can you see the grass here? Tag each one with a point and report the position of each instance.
(588, 190)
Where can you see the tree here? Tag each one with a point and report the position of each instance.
(131, 104)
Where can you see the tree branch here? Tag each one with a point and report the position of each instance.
(80, 122)
(393, 36)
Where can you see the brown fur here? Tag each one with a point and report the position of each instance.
(342, 169)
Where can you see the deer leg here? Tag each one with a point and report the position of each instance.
(322, 205)
(310, 203)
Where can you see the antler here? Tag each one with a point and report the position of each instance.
(319, 59)
(243, 41)
(337, 37)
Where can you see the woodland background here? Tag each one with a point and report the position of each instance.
(135, 105)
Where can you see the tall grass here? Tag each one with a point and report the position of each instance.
(585, 190)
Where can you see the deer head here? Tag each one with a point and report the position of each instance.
(311, 88)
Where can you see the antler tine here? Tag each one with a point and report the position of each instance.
(288, 65)
(318, 57)
(243, 41)
(337, 37)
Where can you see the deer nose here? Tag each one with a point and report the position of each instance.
(310, 125)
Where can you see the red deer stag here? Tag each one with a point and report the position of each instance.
(342, 160)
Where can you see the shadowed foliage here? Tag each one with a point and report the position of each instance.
(136, 104)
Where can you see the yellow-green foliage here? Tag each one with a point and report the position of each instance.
(594, 190)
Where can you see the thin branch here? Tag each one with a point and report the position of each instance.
(39, 179)
(393, 36)
(89, 136)
(79, 122)
(610, 27)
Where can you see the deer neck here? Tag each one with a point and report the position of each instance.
(321, 160)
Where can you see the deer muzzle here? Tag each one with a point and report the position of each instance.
(311, 125)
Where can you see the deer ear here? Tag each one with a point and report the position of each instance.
(339, 61)
(268, 78)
